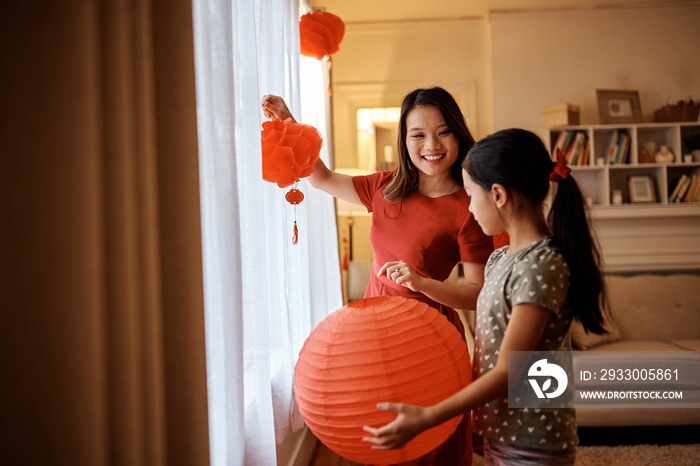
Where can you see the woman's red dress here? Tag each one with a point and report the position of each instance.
(432, 235)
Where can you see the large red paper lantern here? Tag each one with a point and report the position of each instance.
(289, 152)
(320, 34)
(374, 350)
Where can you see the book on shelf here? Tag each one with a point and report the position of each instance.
(612, 146)
(687, 188)
(683, 190)
(564, 141)
(586, 152)
(619, 147)
(676, 190)
(692, 194)
(575, 149)
(574, 144)
(561, 139)
(623, 151)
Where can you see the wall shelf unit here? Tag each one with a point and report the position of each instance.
(638, 237)
(600, 171)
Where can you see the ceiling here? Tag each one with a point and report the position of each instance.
(367, 11)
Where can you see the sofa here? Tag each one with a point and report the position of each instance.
(649, 313)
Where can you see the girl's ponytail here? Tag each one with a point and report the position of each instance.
(587, 296)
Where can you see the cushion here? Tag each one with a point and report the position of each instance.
(656, 307)
(692, 345)
(637, 345)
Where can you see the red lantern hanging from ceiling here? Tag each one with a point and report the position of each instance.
(374, 350)
(320, 34)
(289, 152)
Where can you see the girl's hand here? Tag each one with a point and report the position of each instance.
(410, 421)
(402, 273)
(274, 107)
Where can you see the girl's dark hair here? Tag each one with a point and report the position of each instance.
(519, 161)
(404, 179)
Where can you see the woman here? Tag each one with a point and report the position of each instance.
(421, 224)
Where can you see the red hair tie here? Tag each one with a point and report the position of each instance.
(560, 170)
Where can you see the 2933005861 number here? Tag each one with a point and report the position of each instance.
(639, 374)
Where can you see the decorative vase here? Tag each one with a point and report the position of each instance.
(617, 197)
(664, 155)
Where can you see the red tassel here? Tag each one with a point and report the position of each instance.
(295, 238)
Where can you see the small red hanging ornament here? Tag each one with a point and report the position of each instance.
(289, 152)
(320, 34)
(294, 197)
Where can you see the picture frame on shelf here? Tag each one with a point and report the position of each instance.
(641, 189)
(619, 106)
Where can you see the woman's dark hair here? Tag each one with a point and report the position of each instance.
(404, 180)
(519, 161)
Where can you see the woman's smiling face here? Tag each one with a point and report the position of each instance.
(432, 146)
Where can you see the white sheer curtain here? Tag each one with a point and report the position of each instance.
(263, 295)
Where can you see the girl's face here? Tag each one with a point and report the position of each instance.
(432, 146)
(482, 205)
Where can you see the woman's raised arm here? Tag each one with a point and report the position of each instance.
(336, 184)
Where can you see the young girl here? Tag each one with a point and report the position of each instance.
(548, 276)
(421, 224)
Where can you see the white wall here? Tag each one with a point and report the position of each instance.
(542, 59)
(380, 62)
